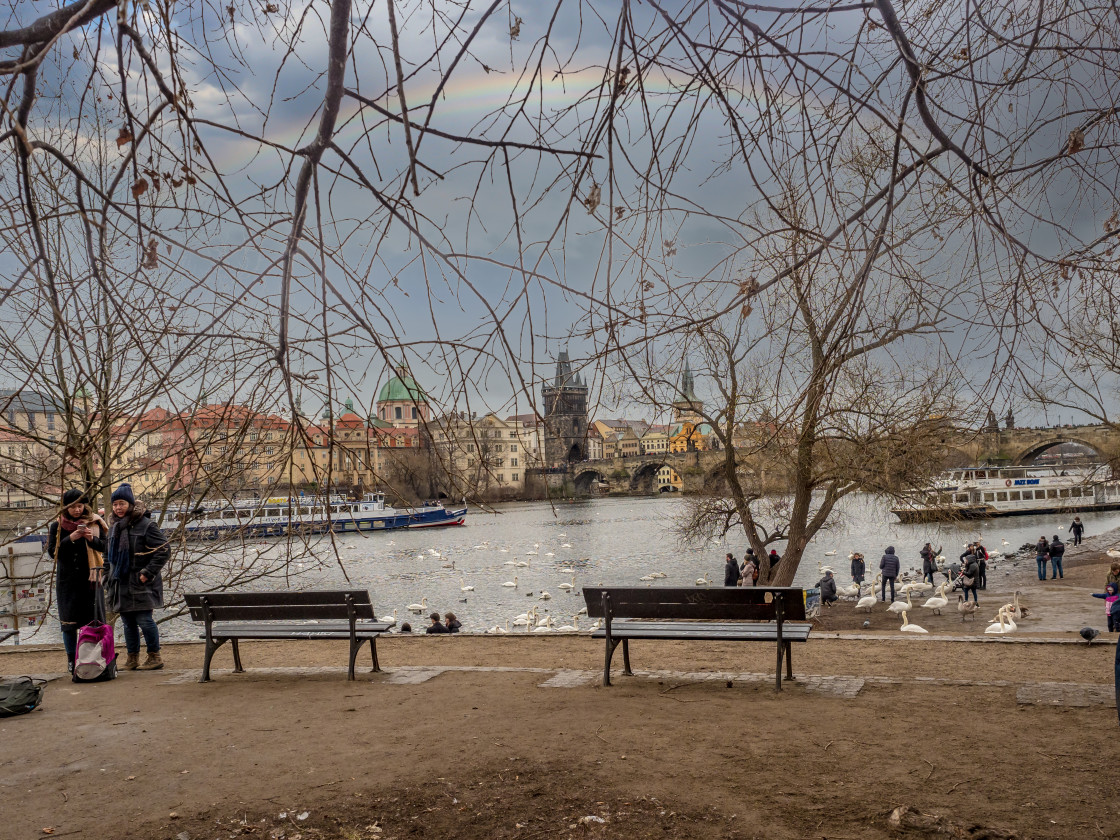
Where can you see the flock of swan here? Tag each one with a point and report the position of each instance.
(1003, 623)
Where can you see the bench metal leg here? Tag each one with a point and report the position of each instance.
(626, 658)
(210, 648)
(354, 647)
(237, 669)
(789, 661)
(373, 652)
(611, 645)
(778, 672)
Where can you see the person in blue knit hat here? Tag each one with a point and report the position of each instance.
(137, 551)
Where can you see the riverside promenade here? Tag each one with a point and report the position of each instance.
(514, 737)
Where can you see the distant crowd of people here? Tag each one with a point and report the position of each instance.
(747, 573)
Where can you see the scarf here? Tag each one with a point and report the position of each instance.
(120, 560)
(67, 524)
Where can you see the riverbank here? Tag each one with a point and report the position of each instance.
(513, 737)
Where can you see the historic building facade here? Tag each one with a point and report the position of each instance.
(565, 416)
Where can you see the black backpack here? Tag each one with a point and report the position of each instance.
(20, 695)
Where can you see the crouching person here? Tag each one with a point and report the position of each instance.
(137, 551)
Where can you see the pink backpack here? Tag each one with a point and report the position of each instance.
(96, 658)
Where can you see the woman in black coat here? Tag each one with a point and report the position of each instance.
(137, 551)
(77, 571)
(731, 571)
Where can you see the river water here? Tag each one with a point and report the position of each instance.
(613, 541)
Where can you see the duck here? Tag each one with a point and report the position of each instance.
(511, 583)
(907, 627)
(417, 608)
(568, 587)
(938, 601)
(900, 606)
(966, 608)
(463, 586)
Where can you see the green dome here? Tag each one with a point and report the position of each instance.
(401, 387)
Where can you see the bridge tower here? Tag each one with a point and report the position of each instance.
(565, 416)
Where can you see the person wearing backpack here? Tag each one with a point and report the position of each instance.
(76, 540)
(1057, 551)
(137, 551)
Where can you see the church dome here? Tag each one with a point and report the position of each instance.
(402, 387)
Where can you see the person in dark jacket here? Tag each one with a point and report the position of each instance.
(1042, 556)
(137, 551)
(1077, 527)
(435, 626)
(827, 586)
(1057, 551)
(731, 571)
(889, 565)
(982, 561)
(859, 567)
(775, 559)
(929, 562)
(77, 558)
(452, 623)
(971, 573)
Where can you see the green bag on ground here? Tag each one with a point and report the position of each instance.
(20, 695)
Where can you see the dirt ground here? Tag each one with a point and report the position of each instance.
(514, 737)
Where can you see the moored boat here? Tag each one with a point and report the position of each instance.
(304, 515)
(982, 492)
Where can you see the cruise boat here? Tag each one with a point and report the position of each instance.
(981, 492)
(284, 516)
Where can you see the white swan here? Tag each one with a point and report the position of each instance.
(511, 583)
(545, 622)
(900, 607)
(938, 601)
(568, 587)
(830, 553)
(497, 629)
(544, 596)
(966, 608)
(867, 601)
(546, 627)
(703, 581)
(391, 621)
(1013, 609)
(1004, 626)
(463, 586)
(526, 619)
(848, 591)
(658, 575)
(647, 577)
(416, 608)
(570, 628)
(510, 563)
(907, 627)
(565, 545)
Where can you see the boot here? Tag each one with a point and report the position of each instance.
(132, 662)
(153, 663)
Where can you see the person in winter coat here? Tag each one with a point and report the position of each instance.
(859, 567)
(435, 626)
(982, 561)
(889, 565)
(453, 624)
(731, 571)
(76, 540)
(929, 562)
(1114, 574)
(775, 559)
(1057, 551)
(1077, 527)
(137, 551)
(1111, 597)
(827, 586)
(750, 572)
(971, 573)
(1042, 556)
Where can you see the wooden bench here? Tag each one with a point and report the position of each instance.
(726, 614)
(230, 616)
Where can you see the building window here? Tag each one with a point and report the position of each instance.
(50, 421)
(513, 447)
(513, 463)
(515, 475)
(399, 414)
(269, 450)
(414, 412)
(209, 450)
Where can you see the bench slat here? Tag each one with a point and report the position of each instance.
(670, 602)
(714, 633)
(272, 612)
(280, 606)
(297, 631)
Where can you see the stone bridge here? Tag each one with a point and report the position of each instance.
(700, 470)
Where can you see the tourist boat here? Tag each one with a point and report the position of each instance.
(980, 492)
(284, 516)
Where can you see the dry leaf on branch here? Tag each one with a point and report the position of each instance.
(515, 30)
(139, 188)
(124, 137)
(593, 197)
(1076, 141)
(151, 255)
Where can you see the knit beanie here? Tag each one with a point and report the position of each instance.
(124, 492)
(71, 496)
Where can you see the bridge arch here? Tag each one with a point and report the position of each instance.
(644, 478)
(585, 480)
(1037, 448)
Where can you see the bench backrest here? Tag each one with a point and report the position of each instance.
(758, 603)
(280, 606)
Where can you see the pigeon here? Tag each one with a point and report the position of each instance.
(866, 624)
(1088, 634)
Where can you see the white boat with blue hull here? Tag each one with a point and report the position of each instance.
(305, 515)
